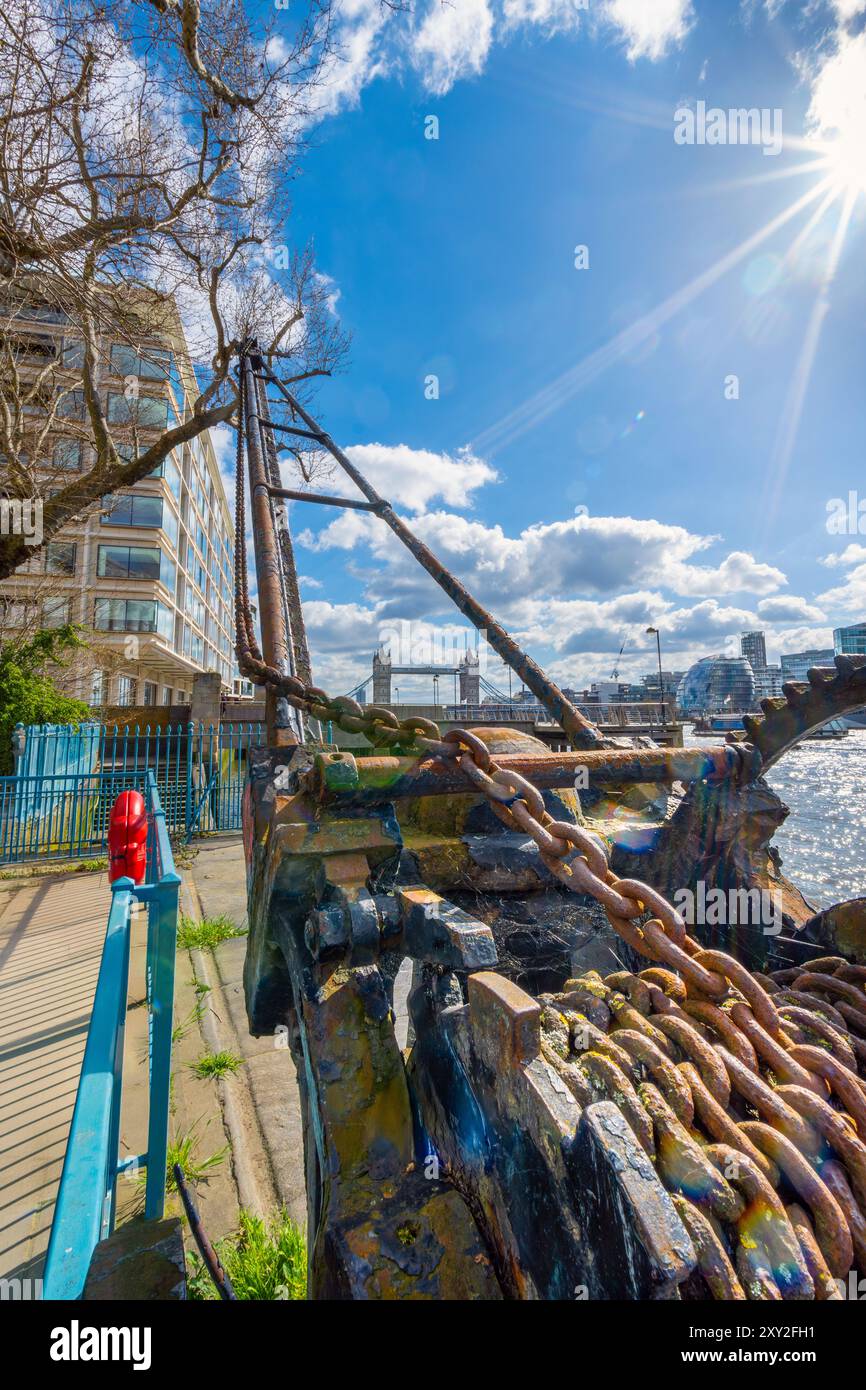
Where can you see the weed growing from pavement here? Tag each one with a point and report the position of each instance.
(264, 1261)
(207, 934)
(216, 1064)
(183, 1149)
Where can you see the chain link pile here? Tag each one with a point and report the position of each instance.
(731, 1081)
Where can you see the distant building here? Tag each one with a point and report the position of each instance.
(768, 679)
(753, 647)
(850, 641)
(606, 692)
(649, 686)
(797, 665)
(768, 682)
(717, 685)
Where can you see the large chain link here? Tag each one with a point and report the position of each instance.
(684, 1046)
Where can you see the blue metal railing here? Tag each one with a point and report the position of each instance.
(86, 1201)
(58, 804)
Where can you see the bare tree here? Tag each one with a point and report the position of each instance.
(146, 153)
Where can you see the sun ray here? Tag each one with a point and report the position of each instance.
(551, 397)
(811, 166)
(789, 426)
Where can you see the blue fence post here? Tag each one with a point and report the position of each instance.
(85, 1200)
(189, 781)
(162, 923)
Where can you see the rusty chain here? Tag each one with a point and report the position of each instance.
(705, 1030)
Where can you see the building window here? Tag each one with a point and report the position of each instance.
(131, 509)
(165, 621)
(73, 354)
(126, 690)
(55, 612)
(153, 364)
(97, 688)
(128, 562)
(166, 694)
(60, 557)
(168, 470)
(149, 693)
(71, 406)
(32, 347)
(181, 697)
(18, 612)
(124, 615)
(67, 455)
(41, 313)
(148, 412)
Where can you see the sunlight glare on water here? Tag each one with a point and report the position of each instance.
(823, 841)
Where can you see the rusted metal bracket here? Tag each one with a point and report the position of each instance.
(338, 778)
(323, 499)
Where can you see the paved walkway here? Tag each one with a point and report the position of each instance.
(51, 935)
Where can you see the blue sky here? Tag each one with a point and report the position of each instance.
(605, 389)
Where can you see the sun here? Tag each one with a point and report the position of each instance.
(845, 159)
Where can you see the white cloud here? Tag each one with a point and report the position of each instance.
(848, 9)
(850, 596)
(786, 608)
(414, 477)
(452, 42)
(361, 52)
(553, 15)
(584, 555)
(224, 443)
(838, 106)
(853, 554)
(738, 572)
(446, 41)
(650, 28)
(798, 639)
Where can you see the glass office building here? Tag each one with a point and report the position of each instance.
(717, 685)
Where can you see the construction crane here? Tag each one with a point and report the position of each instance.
(614, 675)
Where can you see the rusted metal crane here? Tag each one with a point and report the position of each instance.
(599, 1100)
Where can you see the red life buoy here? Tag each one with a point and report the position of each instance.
(127, 838)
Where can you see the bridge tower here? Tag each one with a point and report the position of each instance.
(470, 679)
(381, 677)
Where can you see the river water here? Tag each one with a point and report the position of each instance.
(823, 841)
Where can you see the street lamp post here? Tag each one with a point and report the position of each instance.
(654, 632)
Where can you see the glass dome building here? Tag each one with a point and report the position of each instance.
(717, 685)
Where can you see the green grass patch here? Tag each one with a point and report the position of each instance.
(207, 934)
(184, 1149)
(216, 1064)
(263, 1260)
